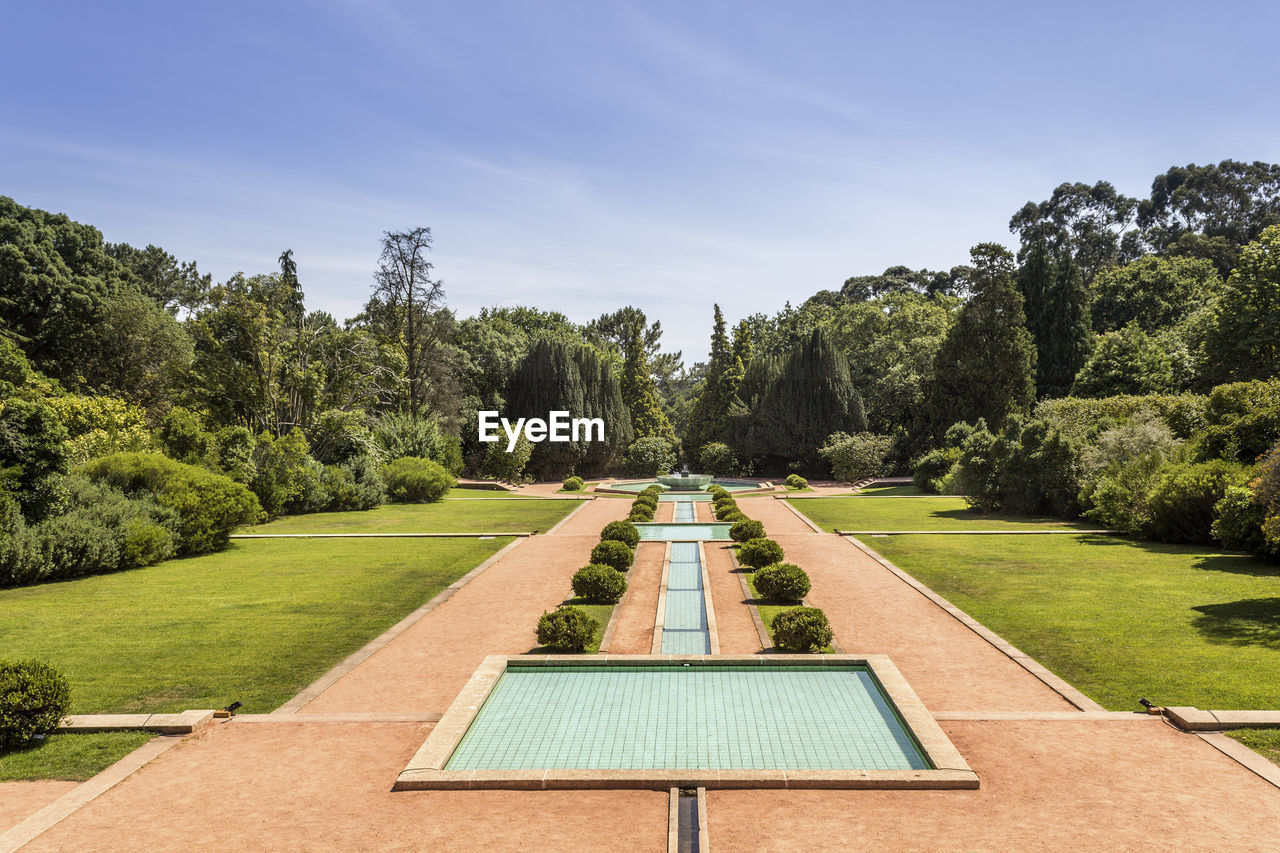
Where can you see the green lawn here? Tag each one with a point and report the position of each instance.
(515, 515)
(1265, 742)
(255, 623)
(70, 757)
(915, 513)
(1119, 619)
(892, 492)
(493, 495)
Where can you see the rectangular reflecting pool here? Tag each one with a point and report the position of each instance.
(595, 721)
(684, 532)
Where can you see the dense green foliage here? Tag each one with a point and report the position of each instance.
(621, 531)
(613, 553)
(648, 457)
(34, 697)
(599, 584)
(856, 457)
(802, 629)
(412, 480)
(747, 529)
(568, 629)
(572, 484)
(761, 552)
(782, 582)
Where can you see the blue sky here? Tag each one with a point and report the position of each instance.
(582, 156)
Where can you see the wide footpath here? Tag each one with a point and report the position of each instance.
(1055, 769)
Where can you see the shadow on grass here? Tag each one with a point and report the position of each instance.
(1248, 622)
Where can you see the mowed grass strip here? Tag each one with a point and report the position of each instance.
(1265, 742)
(255, 623)
(917, 513)
(456, 516)
(1119, 619)
(69, 757)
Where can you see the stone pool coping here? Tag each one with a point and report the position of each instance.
(425, 771)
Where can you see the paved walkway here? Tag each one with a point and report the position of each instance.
(1052, 777)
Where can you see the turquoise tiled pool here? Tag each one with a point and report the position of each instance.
(687, 716)
(684, 624)
(685, 512)
(683, 532)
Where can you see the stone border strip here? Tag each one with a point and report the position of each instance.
(800, 515)
(713, 635)
(1053, 682)
(425, 771)
(660, 617)
(673, 822)
(362, 654)
(162, 724)
(28, 830)
(704, 833)
(579, 508)
(1242, 755)
(338, 718)
(519, 535)
(979, 532)
(1195, 720)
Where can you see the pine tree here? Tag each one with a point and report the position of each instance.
(710, 416)
(985, 367)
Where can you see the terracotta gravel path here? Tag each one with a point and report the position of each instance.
(633, 633)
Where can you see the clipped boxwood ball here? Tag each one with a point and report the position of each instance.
(572, 484)
(802, 629)
(781, 582)
(641, 515)
(568, 629)
(747, 528)
(34, 697)
(758, 553)
(613, 553)
(599, 584)
(733, 516)
(623, 531)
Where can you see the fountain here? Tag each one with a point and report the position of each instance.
(685, 482)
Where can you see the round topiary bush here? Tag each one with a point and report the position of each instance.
(733, 516)
(747, 528)
(572, 484)
(795, 481)
(623, 531)
(653, 489)
(415, 481)
(613, 553)
(599, 584)
(758, 553)
(34, 697)
(568, 629)
(781, 582)
(640, 514)
(646, 498)
(802, 629)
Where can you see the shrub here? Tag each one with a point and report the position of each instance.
(640, 514)
(802, 629)
(572, 484)
(733, 516)
(858, 456)
(363, 487)
(599, 584)
(622, 531)
(568, 629)
(648, 457)
(931, 468)
(1243, 421)
(1077, 417)
(1183, 500)
(758, 553)
(646, 500)
(209, 506)
(745, 529)
(34, 697)
(795, 481)
(613, 553)
(413, 480)
(1238, 521)
(1029, 468)
(782, 582)
(716, 458)
(399, 435)
(653, 489)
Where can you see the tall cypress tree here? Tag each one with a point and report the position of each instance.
(601, 398)
(710, 416)
(812, 397)
(985, 367)
(640, 392)
(1056, 303)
